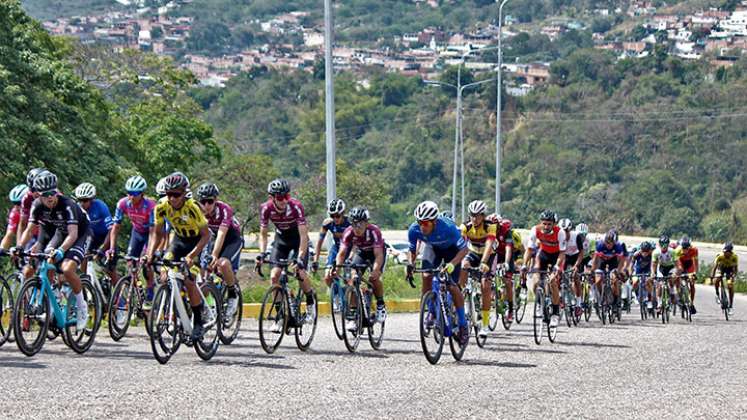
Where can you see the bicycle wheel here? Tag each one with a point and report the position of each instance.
(665, 305)
(121, 308)
(31, 317)
(568, 309)
(229, 328)
(539, 314)
(587, 303)
(80, 340)
(476, 303)
(207, 346)
(375, 328)
(521, 304)
(495, 313)
(724, 300)
(336, 303)
(164, 325)
(457, 350)
(306, 328)
(352, 318)
(273, 318)
(431, 328)
(685, 299)
(6, 311)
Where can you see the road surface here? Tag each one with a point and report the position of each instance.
(633, 370)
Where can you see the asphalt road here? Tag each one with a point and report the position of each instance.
(633, 369)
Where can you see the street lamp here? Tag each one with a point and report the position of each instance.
(498, 112)
(329, 102)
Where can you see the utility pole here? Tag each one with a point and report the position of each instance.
(329, 101)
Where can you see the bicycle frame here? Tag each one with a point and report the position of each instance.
(177, 301)
(60, 314)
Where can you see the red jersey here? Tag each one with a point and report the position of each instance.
(550, 243)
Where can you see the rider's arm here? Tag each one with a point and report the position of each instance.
(303, 230)
(23, 226)
(155, 237)
(220, 238)
(318, 247)
(715, 266)
(263, 239)
(204, 239)
(72, 236)
(487, 251)
(379, 261)
(459, 256)
(696, 261)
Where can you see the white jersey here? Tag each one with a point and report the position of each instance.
(571, 247)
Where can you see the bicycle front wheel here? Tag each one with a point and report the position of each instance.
(229, 327)
(476, 308)
(207, 346)
(81, 339)
(121, 308)
(164, 325)
(431, 328)
(31, 317)
(521, 305)
(457, 350)
(6, 311)
(375, 328)
(539, 315)
(306, 327)
(352, 318)
(724, 300)
(273, 318)
(337, 302)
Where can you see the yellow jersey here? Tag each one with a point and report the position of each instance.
(477, 237)
(186, 222)
(724, 262)
(518, 244)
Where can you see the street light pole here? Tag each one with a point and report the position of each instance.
(457, 136)
(329, 102)
(498, 112)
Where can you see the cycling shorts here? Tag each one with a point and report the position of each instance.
(284, 244)
(138, 242)
(433, 258)
(76, 252)
(547, 260)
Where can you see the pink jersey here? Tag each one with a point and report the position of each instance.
(292, 217)
(141, 216)
(26, 203)
(371, 238)
(222, 215)
(14, 217)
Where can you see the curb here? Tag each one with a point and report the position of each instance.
(251, 310)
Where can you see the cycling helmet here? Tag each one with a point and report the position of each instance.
(32, 174)
(278, 186)
(136, 184)
(336, 206)
(427, 210)
(549, 215)
(664, 240)
(685, 242)
(565, 224)
(207, 190)
(646, 246)
(17, 193)
(728, 247)
(189, 194)
(161, 187)
(176, 181)
(45, 182)
(582, 229)
(85, 191)
(447, 215)
(358, 214)
(494, 218)
(610, 236)
(477, 207)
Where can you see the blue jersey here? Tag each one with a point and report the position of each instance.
(329, 225)
(444, 235)
(100, 217)
(607, 254)
(641, 263)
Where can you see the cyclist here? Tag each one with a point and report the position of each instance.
(480, 235)
(686, 261)
(574, 252)
(641, 261)
(336, 224)
(228, 242)
(100, 218)
(369, 244)
(442, 243)
(662, 262)
(26, 202)
(14, 216)
(191, 235)
(291, 236)
(65, 234)
(139, 209)
(161, 193)
(551, 243)
(608, 258)
(726, 263)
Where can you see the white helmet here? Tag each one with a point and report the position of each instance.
(136, 184)
(161, 187)
(85, 191)
(427, 210)
(17, 193)
(565, 224)
(582, 228)
(477, 207)
(336, 206)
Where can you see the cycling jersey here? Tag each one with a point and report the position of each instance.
(14, 217)
(186, 221)
(65, 213)
(329, 225)
(685, 255)
(518, 244)
(642, 263)
(664, 259)
(286, 220)
(445, 235)
(504, 236)
(477, 237)
(222, 215)
(726, 263)
(100, 218)
(370, 240)
(551, 243)
(576, 243)
(26, 203)
(140, 215)
(606, 254)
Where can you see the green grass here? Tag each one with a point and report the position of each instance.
(395, 286)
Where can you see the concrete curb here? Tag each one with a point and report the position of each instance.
(251, 310)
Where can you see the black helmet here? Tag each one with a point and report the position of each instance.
(176, 181)
(549, 215)
(45, 182)
(31, 175)
(207, 190)
(646, 246)
(278, 186)
(664, 240)
(685, 242)
(336, 206)
(728, 247)
(359, 214)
